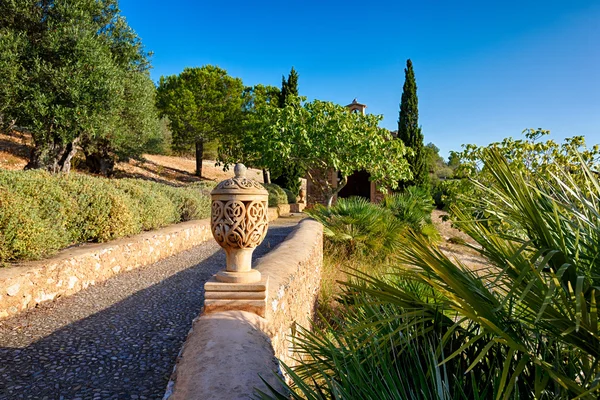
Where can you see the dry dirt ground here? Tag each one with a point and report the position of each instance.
(15, 148)
(450, 245)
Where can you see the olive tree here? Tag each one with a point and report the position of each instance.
(70, 67)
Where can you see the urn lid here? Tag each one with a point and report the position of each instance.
(239, 184)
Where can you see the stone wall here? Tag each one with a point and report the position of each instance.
(227, 353)
(25, 285)
(294, 271)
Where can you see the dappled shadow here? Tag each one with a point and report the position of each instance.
(120, 352)
(159, 173)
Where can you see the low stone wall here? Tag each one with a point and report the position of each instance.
(276, 212)
(25, 285)
(227, 353)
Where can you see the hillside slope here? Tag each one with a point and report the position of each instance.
(15, 148)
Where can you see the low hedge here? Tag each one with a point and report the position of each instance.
(42, 213)
(277, 195)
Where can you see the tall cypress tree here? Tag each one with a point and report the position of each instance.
(410, 132)
(290, 174)
(289, 87)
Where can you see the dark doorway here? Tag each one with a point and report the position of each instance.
(358, 185)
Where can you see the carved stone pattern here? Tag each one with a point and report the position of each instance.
(241, 224)
(239, 183)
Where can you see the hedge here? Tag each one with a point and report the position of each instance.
(276, 194)
(42, 213)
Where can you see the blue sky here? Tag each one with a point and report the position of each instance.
(485, 70)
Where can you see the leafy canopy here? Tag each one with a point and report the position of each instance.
(71, 70)
(200, 103)
(535, 158)
(319, 136)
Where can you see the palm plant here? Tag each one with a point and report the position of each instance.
(525, 327)
(360, 227)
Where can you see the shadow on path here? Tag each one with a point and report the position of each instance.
(125, 351)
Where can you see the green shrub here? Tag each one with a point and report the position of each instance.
(276, 194)
(291, 199)
(189, 203)
(105, 212)
(360, 226)
(42, 213)
(52, 203)
(154, 208)
(204, 187)
(413, 206)
(24, 233)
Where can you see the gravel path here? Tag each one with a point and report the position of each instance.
(115, 340)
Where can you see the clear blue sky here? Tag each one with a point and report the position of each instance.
(485, 70)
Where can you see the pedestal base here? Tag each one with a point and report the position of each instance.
(225, 296)
(238, 277)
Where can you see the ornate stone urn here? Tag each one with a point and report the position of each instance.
(239, 223)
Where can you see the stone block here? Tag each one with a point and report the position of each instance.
(223, 296)
(212, 285)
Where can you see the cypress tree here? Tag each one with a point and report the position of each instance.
(410, 132)
(289, 87)
(290, 174)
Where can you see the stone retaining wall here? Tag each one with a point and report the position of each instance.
(227, 353)
(25, 285)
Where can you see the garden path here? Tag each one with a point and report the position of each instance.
(115, 340)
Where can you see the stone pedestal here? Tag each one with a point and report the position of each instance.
(223, 296)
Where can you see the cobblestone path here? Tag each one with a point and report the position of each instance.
(115, 340)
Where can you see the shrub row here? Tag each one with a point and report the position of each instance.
(277, 195)
(42, 213)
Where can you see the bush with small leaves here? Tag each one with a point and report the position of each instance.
(276, 194)
(42, 213)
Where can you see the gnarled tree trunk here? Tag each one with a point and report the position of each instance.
(54, 157)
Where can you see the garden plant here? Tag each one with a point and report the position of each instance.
(429, 327)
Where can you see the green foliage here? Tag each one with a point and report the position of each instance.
(409, 131)
(319, 136)
(360, 227)
(23, 231)
(201, 104)
(525, 327)
(42, 213)
(74, 73)
(154, 207)
(289, 88)
(534, 158)
(242, 141)
(413, 207)
(291, 198)
(277, 195)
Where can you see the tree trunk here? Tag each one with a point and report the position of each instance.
(266, 176)
(54, 157)
(199, 151)
(339, 187)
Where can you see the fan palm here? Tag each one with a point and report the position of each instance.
(526, 327)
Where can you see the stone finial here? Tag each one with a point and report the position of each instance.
(239, 223)
(240, 170)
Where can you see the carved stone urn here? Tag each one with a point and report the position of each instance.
(239, 223)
